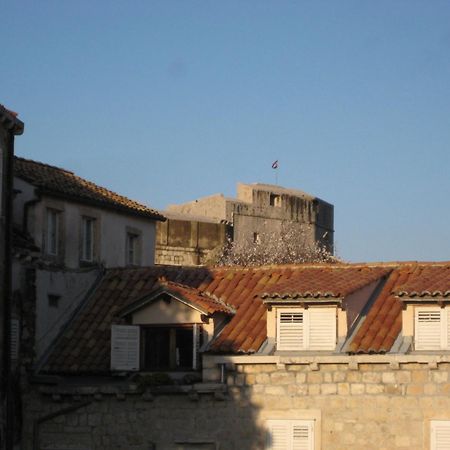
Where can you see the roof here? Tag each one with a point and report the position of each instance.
(426, 281)
(318, 282)
(193, 297)
(84, 346)
(383, 322)
(10, 120)
(63, 183)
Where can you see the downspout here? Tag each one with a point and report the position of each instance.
(38, 422)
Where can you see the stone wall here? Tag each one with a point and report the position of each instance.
(356, 403)
(188, 242)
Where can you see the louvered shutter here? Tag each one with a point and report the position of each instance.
(278, 435)
(321, 328)
(440, 435)
(302, 436)
(125, 347)
(428, 329)
(447, 328)
(290, 435)
(290, 330)
(14, 333)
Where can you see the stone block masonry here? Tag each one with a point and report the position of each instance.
(371, 406)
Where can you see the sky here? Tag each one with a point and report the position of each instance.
(168, 101)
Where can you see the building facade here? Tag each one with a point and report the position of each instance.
(10, 126)
(260, 212)
(79, 228)
(310, 356)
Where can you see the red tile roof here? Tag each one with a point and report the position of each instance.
(62, 183)
(324, 282)
(432, 280)
(207, 303)
(85, 344)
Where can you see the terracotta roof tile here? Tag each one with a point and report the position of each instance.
(338, 281)
(242, 287)
(431, 280)
(60, 182)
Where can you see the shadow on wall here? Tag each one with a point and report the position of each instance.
(152, 420)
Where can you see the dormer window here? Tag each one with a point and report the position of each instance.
(431, 328)
(300, 329)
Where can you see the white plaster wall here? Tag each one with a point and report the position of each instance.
(72, 287)
(161, 312)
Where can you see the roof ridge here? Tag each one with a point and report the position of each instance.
(43, 164)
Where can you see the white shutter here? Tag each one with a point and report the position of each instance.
(125, 347)
(14, 343)
(278, 435)
(302, 436)
(440, 435)
(290, 435)
(290, 330)
(322, 328)
(428, 328)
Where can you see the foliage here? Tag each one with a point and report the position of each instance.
(290, 246)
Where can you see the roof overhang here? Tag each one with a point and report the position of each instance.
(10, 121)
(151, 298)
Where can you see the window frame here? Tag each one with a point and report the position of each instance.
(135, 249)
(53, 228)
(441, 328)
(196, 343)
(310, 424)
(435, 426)
(85, 219)
(308, 327)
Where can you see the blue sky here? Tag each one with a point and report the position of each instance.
(167, 101)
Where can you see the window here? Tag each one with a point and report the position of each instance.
(53, 300)
(274, 200)
(432, 328)
(170, 348)
(87, 238)
(53, 231)
(306, 329)
(256, 238)
(132, 248)
(155, 348)
(440, 435)
(290, 435)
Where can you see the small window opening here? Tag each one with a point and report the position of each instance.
(256, 238)
(53, 300)
(275, 200)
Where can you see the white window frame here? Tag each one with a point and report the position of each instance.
(432, 334)
(289, 438)
(52, 244)
(439, 434)
(306, 335)
(88, 238)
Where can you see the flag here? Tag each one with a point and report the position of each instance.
(275, 164)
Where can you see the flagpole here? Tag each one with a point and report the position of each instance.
(275, 167)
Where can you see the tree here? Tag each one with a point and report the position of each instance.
(290, 246)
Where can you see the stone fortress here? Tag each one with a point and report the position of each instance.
(194, 229)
